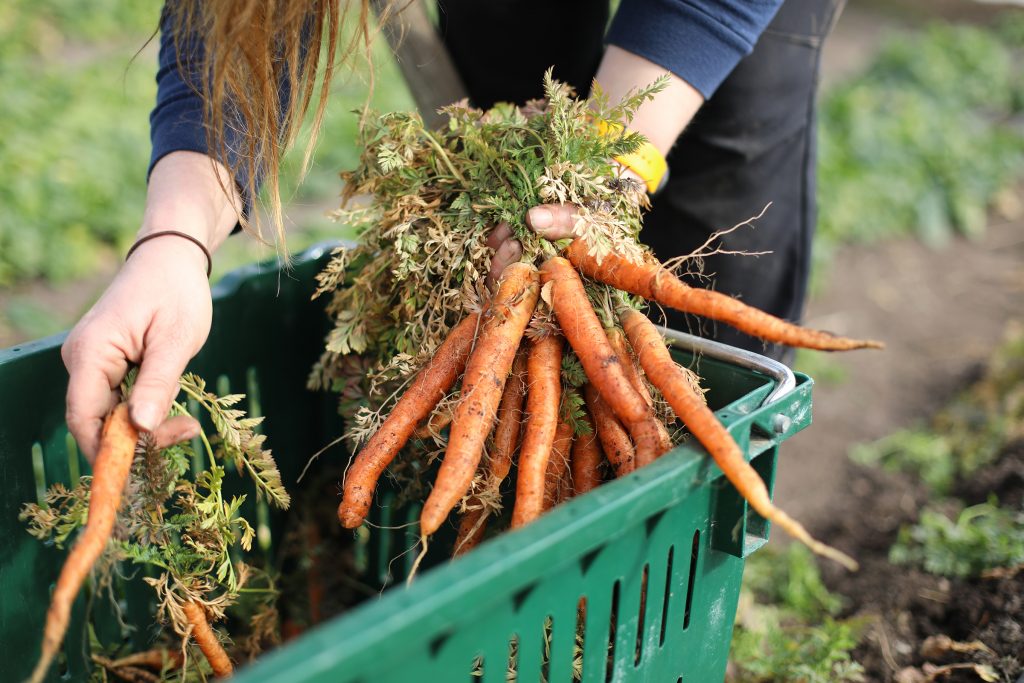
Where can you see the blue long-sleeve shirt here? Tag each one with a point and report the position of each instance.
(700, 41)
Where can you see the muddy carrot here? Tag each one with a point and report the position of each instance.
(617, 339)
(482, 386)
(586, 460)
(610, 432)
(654, 282)
(110, 474)
(544, 387)
(558, 465)
(702, 423)
(419, 400)
(473, 525)
(207, 640)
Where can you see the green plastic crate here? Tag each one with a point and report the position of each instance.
(677, 521)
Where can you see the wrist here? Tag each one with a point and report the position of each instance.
(162, 251)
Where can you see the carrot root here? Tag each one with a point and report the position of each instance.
(544, 381)
(701, 421)
(610, 432)
(419, 400)
(483, 384)
(654, 282)
(110, 475)
(586, 460)
(207, 640)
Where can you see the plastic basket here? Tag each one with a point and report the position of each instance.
(658, 555)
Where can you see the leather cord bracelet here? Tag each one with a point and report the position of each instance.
(161, 233)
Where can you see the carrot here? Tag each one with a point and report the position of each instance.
(586, 460)
(702, 423)
(654, 282)
(482, 387)
(601, 364)
(506, 439)
(558, 465)
(610, 432)
(510, 419)
(437, 421)
(429, 386)
(585, 334)
(617, 339)
(207, 641)
(110, 475)
(544, 382)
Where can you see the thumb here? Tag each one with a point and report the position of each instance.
(157, 384)
(553, 221)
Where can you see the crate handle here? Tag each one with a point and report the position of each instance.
(785, 380)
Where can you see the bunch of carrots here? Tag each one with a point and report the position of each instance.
(557, 370)
(502, 367)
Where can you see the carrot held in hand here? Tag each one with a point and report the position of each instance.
(612, 435)
(506, 440)
(110, 475)
(482, 387)
(702, 423)
(207, 641)
(654, 282)
(603, 367)
(544, 387)
(418, 401)
(558, 465)
(586, 460)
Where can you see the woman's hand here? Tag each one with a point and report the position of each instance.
(156, 313)
(551, 221)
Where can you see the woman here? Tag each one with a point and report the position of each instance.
(233, 80)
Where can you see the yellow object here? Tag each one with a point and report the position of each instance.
(647, 162)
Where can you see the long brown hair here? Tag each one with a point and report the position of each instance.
(252, 47)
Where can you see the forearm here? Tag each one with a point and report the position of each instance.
(662, 119)
(190, 194)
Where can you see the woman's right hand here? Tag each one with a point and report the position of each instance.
(156, 313)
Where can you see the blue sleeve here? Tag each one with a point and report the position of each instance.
(176, 122)
(700, 41)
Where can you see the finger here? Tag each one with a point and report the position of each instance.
(501, 232)
(552, 221)
(175, 430)
(157, 383)
(509, 252)
(92, 384)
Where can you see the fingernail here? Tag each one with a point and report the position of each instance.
(146, 417)
(540, 218)
(188, 433)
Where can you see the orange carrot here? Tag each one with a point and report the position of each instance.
(438, 420)
(586, 460)
(207, 641)
(110, 475)
(151, 659)
(510, 419)
(702, 423)
(558, 465)
(429, 386)
(506, 439)
(654, 282)
(610, 432)
(617, 339)
(482, 387)
(544, 388)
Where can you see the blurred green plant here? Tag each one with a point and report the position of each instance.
(786, 629)
(924, 141)
(969, 433)
(981, 537)
(74, 135)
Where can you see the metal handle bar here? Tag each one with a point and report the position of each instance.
(785, 380)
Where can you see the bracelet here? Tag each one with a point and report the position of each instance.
(647, 162)
(190, 238)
